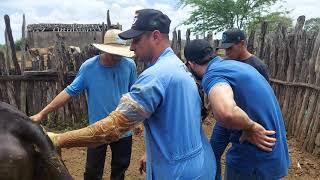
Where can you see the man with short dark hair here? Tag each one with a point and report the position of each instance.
(249, 110)
(235, 44)
(165, 98)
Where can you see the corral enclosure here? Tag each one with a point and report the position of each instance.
(293, 58)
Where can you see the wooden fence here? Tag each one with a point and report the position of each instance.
(293, 58)
(33, 90)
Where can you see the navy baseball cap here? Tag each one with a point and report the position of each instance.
(231, 37)
(147, 20)
(198, 51)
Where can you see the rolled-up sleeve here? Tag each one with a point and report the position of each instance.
(77, 85)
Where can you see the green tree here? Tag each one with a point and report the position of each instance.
(273, 19)
(218, 15)
(2, 47)
(312, 24)
(17, 45)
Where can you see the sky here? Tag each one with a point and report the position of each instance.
(122, 11)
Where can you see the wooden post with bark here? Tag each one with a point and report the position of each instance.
(103, 33)
(188, 36)
(11, 42)
(23, 44)
(108, 20)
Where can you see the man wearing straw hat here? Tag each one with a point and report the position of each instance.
(104, 78)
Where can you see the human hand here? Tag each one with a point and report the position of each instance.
(258, 135)
(37, 117)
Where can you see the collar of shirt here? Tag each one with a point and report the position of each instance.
(165, 52)
(214, 60)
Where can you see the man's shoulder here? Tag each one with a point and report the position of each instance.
(128, 61)
(254, 59)
(160, 71)
(90, 62)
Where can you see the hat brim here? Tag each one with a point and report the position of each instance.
(129, 34)
(226, 45)
(120, 50)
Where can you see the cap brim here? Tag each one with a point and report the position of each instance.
(120, 50)
(225, 45)
(129, 34)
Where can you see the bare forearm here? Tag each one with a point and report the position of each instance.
(237, 119)
(61, 99)
(226, 110)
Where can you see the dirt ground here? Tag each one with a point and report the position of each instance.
(304, 166)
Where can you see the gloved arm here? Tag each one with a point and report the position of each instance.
(128, 115)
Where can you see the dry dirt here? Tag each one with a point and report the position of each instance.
(304, 166)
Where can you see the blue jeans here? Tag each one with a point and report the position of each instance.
(231, 173)
(121, 154)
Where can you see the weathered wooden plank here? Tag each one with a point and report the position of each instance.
(37, 76)
(307, 122)
(102, 33)
(300, 43)
(289, 76)
(174, 41)
(264, 27)
(108, 20)
(179, 44)
(23, 44)
(3, 68)
(250, 44)
(10, 93)
(11, 42)
(3, 91)
(23, 96)
(314, 128)
(8, 54)
(188, 36)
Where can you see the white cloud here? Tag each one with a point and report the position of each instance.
(80, 11)
(309, 8)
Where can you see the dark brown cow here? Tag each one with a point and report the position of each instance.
(26, 153)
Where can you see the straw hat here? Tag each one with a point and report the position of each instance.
(114, 45)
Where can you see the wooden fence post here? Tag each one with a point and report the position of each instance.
(11, 42)
(102, 33)
(179, 45)
(188, 36)
(23, 44)
(108, 20)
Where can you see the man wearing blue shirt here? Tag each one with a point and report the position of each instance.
(234, 42)
(165, 98)
(242, 100)
(104, 78)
